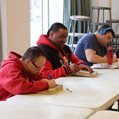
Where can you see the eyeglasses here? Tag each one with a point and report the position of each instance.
(37, 67)
(34, 64)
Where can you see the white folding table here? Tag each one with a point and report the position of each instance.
(39, 111)
(105, 115)
(95, 93)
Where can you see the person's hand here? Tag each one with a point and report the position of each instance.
(51, 82)
(74, 68)
(85, 67)
(114, 58)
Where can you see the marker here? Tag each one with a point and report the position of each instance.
(68, 90)
(50, 76)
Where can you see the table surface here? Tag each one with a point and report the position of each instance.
(39, 111)
(95, 93)
(105, 115)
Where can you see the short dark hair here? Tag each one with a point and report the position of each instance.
(105, 29)
(55, 27)
(33, 53)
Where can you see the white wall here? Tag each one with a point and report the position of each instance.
(104, 3)
(108, 3)
(0, 37)
(15, 25)
(114, 9)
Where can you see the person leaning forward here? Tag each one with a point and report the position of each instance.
(20, 74)
(60, 59)
(92, 47)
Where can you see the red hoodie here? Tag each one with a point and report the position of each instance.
(15, 80)
(48, 68)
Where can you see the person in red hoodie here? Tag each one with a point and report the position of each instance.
(60, 59)
(20, 74)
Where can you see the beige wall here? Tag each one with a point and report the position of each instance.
(15, 25)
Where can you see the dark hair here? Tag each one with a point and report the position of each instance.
(33, 53)
(105, 29)
(55, 27)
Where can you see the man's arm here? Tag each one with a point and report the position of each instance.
(93, 57)
(56, 73)
(81, 64)
(12, 80)
(76, 60)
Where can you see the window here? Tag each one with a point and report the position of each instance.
(43, 13)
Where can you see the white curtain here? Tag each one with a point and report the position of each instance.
(0, 36)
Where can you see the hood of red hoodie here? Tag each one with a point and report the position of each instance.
(13, 56)
(45, 40)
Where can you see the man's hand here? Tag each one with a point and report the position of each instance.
(51, 82)
(74, 68)
(115, 58)
(85, 67)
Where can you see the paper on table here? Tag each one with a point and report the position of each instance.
(51, 91)
(115, 65)
(86, 73)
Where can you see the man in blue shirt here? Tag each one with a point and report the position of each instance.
(91, 48)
